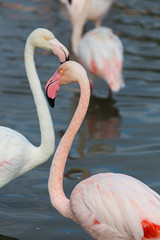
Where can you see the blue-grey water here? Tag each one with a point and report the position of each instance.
(121, 134)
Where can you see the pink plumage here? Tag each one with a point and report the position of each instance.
(119, 203)
(101, 53)
(109, 206)
(99, 50)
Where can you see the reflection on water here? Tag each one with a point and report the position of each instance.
(121, 134)
(77, 174)
(102, 121)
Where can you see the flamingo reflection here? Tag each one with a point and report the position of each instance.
(102, 120)
(77, 173)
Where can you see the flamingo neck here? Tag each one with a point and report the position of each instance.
(79, 25)
(46, 148)
(55, 184)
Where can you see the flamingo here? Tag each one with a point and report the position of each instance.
(100, 51)
(107, 205)
(17, 154)
(98, 9)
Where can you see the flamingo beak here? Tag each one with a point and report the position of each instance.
(52, 87)
(60, 50)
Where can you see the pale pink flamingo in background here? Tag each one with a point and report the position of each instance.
(17, 154)
(109, 206)
(97, 11)
(100, 51)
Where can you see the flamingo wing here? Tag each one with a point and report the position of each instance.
(101, 52)
(118, 206)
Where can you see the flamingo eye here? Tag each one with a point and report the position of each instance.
(47, 38)
(60, 71)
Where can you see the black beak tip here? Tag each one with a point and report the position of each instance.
(51, 102)
(67, 59)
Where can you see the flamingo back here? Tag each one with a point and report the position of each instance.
(116, 206)
(101, 52)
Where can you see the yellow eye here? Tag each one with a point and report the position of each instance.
(47, 38)
(60, 71)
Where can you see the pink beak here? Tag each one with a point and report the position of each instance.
(60, 50)
(52, 87)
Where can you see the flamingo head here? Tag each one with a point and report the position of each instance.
(43, 38)
(67, 73)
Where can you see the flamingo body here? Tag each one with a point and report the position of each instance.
(97, 11)
(100, 51)
(116, 206)
(17, 154)
(109, 206)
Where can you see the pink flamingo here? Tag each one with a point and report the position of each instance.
(99, 50)
(107, 205)
(17, 154)
(97, 11)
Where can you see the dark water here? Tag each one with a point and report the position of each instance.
(120, 134)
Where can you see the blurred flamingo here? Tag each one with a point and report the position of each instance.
(18, 155)
(100, 51)
(97, 11)
(107, 205)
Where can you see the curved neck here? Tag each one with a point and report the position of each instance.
(46, 148)
(79, 25)
(55, 184)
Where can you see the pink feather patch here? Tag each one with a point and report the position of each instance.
(94, 68)
(96, 222)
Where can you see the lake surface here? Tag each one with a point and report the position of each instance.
(121, 134)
